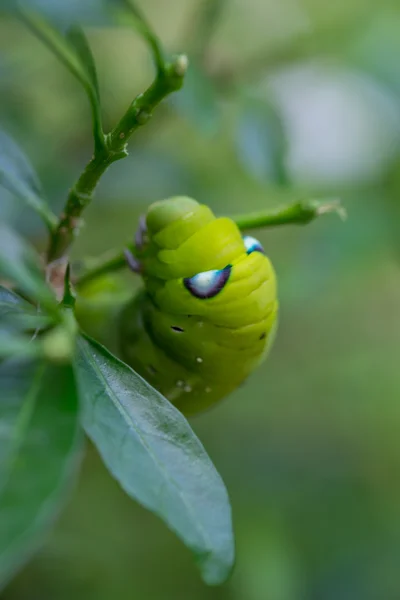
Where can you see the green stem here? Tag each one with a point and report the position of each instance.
(142, 25)
(299, 213)
(139, 112)
(112, 261)
(111, 147)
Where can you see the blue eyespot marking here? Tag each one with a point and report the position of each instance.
(252, 245)
(209, 283)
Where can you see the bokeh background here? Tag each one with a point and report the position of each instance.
(285, 99)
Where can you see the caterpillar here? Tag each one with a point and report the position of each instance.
(207, 313)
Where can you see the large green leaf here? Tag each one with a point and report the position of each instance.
(20, 264)
(40, 445)
(19, 178)
(151, 450)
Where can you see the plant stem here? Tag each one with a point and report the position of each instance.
(112, 261)
(143, 26)
(168, 80)
(298, 213)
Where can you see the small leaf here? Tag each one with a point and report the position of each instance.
(18, 313)
(19, 178)
(20, 263)
(74, 53)
(151, 450)
(56, 41)
(261, 142)
(40, 445)
(78, 40)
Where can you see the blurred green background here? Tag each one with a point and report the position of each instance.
(285, 99)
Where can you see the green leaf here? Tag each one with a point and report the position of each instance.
(131, 14)
(40, 445)
(74, 53)
(78, 41)
(18, 177)
(149, 447)
(56, 41)
(94, 12)
(198, 100)
(13, 344)
(15, 312)
(261, 142)
(20, 264)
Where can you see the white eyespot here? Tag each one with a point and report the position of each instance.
(199, 360)
(252, 244)
(209, 283)
(187, 388)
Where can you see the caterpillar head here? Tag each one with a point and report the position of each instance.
(194, 263)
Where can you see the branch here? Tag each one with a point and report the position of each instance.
(143, 26)
(169, 78)
(299, 213)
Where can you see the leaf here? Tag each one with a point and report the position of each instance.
(19, 314)
(56, 41)
(14, 344)
(260, 141)
(94, 12)
(40, 445)
(198, 101)
(74, 53)
(20, 263)
(375, 48)
(78, 40)
(13, 160)
(18, 177)
(149, 447)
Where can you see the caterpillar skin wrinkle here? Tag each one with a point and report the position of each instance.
(207, 315)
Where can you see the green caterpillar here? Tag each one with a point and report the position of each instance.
(207, 314)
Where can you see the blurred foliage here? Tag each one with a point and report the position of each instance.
(308, 447)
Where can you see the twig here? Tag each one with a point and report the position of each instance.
(299, 213)
(137, 115)
(113, 146)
